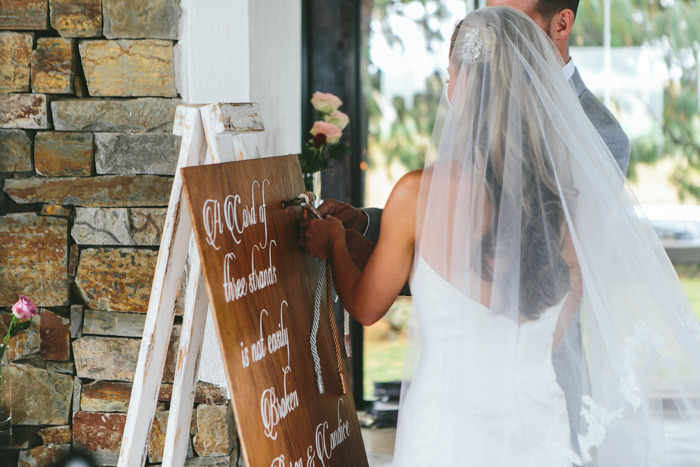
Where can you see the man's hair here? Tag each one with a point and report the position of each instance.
(548, 8)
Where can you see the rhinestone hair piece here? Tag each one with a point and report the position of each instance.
(473, 45)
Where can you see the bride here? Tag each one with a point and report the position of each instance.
(521, 230)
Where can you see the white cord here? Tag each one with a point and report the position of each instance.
(314, 327)
(346, 332)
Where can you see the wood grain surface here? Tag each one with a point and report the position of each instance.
(261, 288)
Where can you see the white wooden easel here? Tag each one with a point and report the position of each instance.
(208, 132)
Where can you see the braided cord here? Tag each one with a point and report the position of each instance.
(306, 200)
(346, 333)
(314, 328)
(334, 330)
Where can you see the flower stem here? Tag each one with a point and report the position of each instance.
(10, 328)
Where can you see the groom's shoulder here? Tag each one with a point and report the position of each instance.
(605, 123)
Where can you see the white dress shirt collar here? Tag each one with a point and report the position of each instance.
(569, 69)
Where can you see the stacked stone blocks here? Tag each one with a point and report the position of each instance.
(87, 156)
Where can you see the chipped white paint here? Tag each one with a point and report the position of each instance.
(236, 118)
(161, 306)
(188, 356)
(229, 144)
(180, 114)
(210, 115)
(199, 138)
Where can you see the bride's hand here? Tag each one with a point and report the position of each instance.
(318, 236)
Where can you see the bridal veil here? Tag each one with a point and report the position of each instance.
(523, 209)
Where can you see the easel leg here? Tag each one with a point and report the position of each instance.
(188, 356)
(154, 346)
(161, 306)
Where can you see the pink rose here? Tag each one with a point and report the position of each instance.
(332, 132)
(325, 102)
(338, 119)
(24, 308)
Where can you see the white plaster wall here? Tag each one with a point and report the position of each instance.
(212, 51)
(275, 72)
(243, 51)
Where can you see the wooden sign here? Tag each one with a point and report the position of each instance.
(261, 289)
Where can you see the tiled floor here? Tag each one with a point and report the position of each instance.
(682, 450)
(379, 443)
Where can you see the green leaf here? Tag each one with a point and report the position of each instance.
(21, 326)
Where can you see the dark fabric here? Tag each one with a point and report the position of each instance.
(375, 221)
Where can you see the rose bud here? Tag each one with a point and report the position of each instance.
(319, 140)
(325, 102)
(24, 308)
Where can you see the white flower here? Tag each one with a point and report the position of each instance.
(325, 102)
(338, 119)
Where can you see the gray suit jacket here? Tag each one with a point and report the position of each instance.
(603, 121)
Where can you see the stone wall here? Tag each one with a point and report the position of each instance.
(87, 100)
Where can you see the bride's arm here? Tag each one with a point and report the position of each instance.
(369, 294)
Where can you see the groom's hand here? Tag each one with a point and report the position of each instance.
(314, 236)
(352, 218)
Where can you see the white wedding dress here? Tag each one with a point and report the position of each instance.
(502, 407)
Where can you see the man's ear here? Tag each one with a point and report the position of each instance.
(561, 24)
